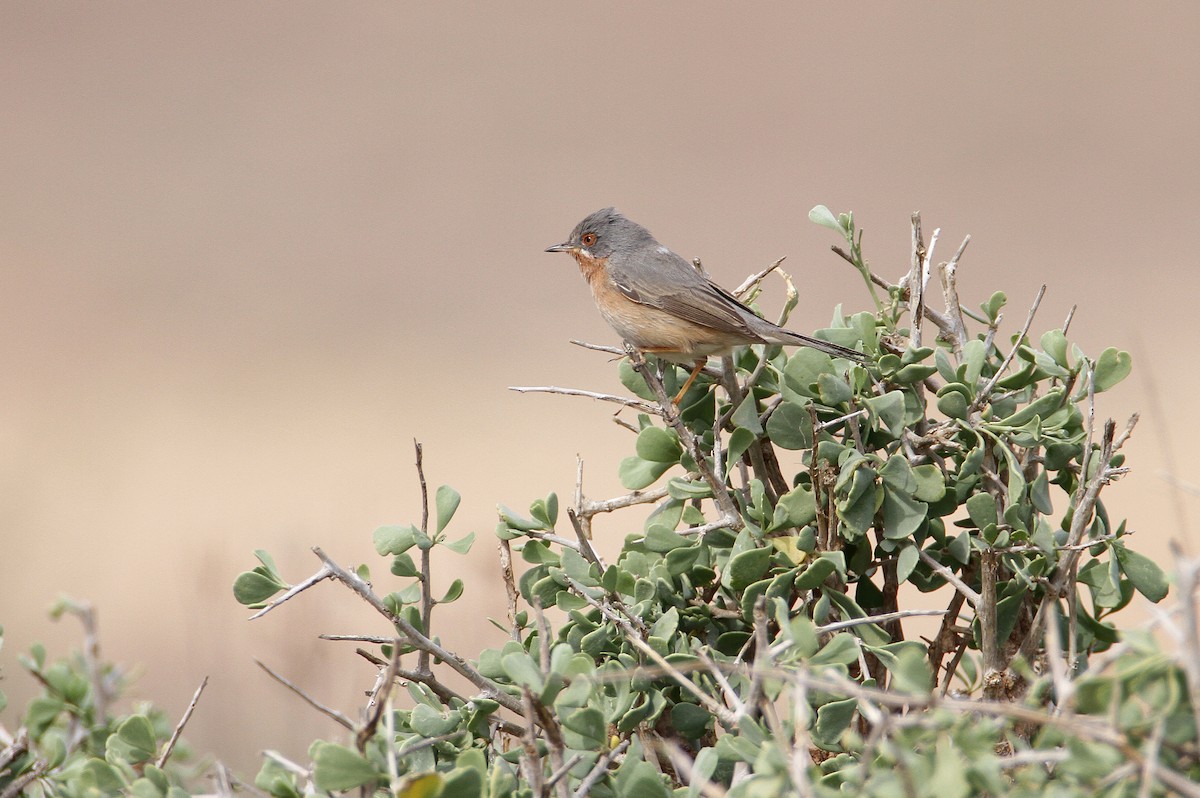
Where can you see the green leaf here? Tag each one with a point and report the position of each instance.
(636, 473)
(906, 562)
(902, 516)
(463, 782)
(992, 307)
(515, 521)
(658, 445)
(137, 732)
(832, 721)
(106, 777)
(1111, 367)
(982, 509)
(545, 510)
(1145, 575)
(741, 440)
(690, 720)
(953, 404)
(447, 501)
(395, 538)
(634, 382)
(746, 415)
(842, 649)
(747, 568)
(974, 354)
(521, 670)
(803, 369)
(462, 545)
(680, 488)
(420, 785)
(403, 565)
(931, 485)
(824, 217)
(794, 509)
(833, 389)
(897, 474)
(790, 426)
(586, 726)
(661, 540)
(453, 592)
(889, 409)
(949, 778)
(338, 768)
(1054, 342)
(254, 587)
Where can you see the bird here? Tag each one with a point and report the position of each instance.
(663, 305)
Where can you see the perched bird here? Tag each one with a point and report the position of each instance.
(662, 304)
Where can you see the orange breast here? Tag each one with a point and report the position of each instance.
(650, 328)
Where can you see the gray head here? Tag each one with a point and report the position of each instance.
(604, 232)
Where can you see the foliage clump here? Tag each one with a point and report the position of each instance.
(754, 636)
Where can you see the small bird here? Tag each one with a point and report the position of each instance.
(662, 304)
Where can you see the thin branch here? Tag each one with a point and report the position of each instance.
(972, 597)
(612, 350)
(640, 404)
(426, 576)
(983, 395)
(382, 694)
(590, 508)
(1187, 579)
(916, 285)
(755, 279)
(295, 590)
(585, 545)
(418, 638)
(312, 702)
(599, 769)
(949, 275)
(510, 585)
(636, 639)
(187, 715)
(720, 491)
(824, 425)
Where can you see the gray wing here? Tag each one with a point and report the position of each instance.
(661, 279)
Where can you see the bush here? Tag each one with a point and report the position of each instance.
(749, 639)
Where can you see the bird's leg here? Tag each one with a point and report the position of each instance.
(695, 373)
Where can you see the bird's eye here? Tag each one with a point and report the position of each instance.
(588, 239)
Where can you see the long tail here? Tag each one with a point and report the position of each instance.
(782, 336)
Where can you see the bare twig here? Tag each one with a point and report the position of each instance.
(721, 496)
(426, 576)
(17, 785)
(640, 404)
(599, 769)
(949, 274)
(983, 395)
(418, 638)
(312, 702)
(585, 545)
(294, 591)
(187, 714)
(636, 638)
(962, 587)
(612, 350)
(381, 696)
(755, 279)
(916, 285)
(591, 508)
(1188, 579)
(510, 585)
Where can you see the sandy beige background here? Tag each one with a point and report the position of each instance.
(249, 251)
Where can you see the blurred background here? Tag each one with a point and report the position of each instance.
(248, 252)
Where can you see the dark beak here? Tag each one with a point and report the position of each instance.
(560, 248)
